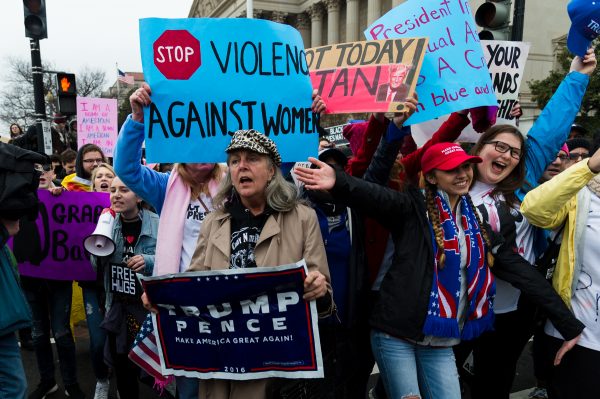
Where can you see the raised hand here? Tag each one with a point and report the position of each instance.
(138, 100)
(318, 105)
(516, 111)
(322, 178)
(585, 65)
(410, 106)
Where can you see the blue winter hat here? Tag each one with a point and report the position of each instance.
(585, 25)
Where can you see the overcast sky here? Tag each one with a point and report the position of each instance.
(82, 33)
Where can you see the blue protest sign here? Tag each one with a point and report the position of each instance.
(238, 324)
(211, 77)
(454, 75)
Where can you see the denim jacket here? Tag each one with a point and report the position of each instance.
(145, 246)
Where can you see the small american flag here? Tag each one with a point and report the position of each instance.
(144, 351)
(123, 77)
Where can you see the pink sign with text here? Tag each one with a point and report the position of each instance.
(97, 123)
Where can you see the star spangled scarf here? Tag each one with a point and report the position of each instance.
(442, 312)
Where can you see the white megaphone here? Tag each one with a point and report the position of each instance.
(100, 242)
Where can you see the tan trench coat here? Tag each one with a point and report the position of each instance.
(285, 238)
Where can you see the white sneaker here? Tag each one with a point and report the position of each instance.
(102, 388)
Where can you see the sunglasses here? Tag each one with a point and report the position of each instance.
(43, 168)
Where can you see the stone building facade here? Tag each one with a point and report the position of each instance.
(322, 22)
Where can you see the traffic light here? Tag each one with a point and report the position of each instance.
(35, 19)
(494, 17)
(67, 93)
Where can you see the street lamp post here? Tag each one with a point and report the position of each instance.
(38, 90)
(518, 21)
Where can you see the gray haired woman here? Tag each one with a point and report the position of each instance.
(259, 222)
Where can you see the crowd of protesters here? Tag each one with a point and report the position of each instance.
(419, 259)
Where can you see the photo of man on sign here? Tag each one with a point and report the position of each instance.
(367, 76)
(395, 90)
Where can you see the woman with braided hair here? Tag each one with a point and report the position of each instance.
(439, 289)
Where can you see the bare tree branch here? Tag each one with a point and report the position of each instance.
(16, 99)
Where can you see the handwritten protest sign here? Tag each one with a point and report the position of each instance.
(206, 85)
(454, 74)
(238, 324)
(97, 123)
(52, 246)
(372, 76)
(506, 63)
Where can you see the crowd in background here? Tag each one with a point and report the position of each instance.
(419, 259)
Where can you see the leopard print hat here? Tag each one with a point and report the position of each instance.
(254, 141)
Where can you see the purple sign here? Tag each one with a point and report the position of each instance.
(52, 246)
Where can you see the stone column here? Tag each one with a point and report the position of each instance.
(373, 11)
(303, 25)
(279, 16)
(257, 14)
(352, 33)
(316, 24)
(333, 21)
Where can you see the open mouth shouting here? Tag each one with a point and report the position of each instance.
(499, 167)
(244, 180)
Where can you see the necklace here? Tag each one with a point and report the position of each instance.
(133, 219)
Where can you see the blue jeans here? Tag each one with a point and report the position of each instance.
(97, 334)
(13, 384)
(187, 388)
(409, 369)
(50, 303)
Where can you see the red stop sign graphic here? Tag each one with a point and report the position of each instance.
(177, 54)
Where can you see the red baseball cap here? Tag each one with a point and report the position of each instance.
(445, 156)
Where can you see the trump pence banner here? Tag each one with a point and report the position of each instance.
(237, 324)
(97, 123)
(52, 246)
(372, 76)
(211, 77)
(454, 74)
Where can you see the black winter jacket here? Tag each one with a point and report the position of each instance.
(401, 306)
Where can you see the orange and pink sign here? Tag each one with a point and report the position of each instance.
(372, 76)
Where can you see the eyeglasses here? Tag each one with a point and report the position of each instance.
(42, 168)
(574, 156)
(562, 157)
(503, 147)
(90, 161)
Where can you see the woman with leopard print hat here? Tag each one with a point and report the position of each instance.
(260, 217)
